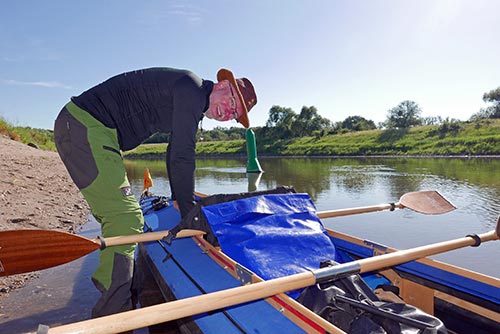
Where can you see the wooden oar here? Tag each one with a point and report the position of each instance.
(213, 301)
(428, 202)
(23, 251)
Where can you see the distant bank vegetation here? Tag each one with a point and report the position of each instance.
(480, 137)
(404, 132)
(287, 133)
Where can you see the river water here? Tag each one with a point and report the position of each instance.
(471, 184)
(64, 294)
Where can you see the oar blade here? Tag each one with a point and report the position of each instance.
(24, 251)
(428, 202)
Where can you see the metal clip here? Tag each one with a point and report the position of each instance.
(244, 275)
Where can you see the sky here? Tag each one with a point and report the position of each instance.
(346, 58)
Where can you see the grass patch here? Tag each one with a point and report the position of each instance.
(43, 139)
(468, 138)
(228, 147)
(462, 138)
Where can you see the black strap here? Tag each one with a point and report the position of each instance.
(385, 313)
(476, 239)
(103, 243)
(393, 206)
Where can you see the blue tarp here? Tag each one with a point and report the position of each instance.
(272, 235)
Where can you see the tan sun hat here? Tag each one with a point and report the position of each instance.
(245, 91)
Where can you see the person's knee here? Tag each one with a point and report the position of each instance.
(123, 224)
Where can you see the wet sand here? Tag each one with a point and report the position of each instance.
(36, 192)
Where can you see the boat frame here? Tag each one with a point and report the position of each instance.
(466, 301)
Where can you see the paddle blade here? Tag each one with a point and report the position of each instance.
(429, 202)
(23, 251)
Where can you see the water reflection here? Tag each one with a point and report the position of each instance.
(253, 181)
(305, 175)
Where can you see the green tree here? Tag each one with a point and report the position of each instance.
(493, 96)
(309, 121)
(281, 121)
(448, 126)
(220, 133)
(358, 123)
(491, 111)
(404, 115)
(432, 120)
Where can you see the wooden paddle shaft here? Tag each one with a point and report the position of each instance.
(185, 307)
(402, 256)
(204, 303)
(146, 237)
(353, 211)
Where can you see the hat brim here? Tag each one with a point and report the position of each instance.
(225, 74)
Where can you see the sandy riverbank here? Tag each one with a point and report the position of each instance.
(35, 192)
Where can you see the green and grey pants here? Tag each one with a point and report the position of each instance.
(91, 153)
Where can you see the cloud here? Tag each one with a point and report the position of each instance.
(154, 16)
(46, 84)
(10, 59)
(192, 14)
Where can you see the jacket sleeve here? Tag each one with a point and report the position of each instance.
(189, 103)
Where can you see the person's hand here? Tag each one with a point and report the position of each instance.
(176, 205)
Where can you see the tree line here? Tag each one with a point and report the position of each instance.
(285, 123)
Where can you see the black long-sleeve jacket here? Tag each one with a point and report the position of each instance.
(140, 103)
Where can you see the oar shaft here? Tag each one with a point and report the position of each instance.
(186, 307)
(204, 303)
(146, 237)
(396, 258)
(427, 202)
(132, 239)
(402, 256)
(353, 211)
